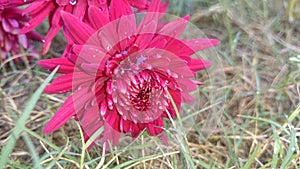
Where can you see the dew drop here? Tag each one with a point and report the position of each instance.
(175, 75)
(158, 56)
(79, 88)
(73, 2)
(103, 108)
(115, 100)
(93, 103)
(121, 125)
(102, 112)
(25, 0)
(121, 113)
(293, 149)
(86, 106)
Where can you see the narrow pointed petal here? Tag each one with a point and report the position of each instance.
(23, 41)
(119, 8)
(200, 44)
(48, 39)
(38, 18)
(62, 2)
(175, 28)
(79, 9)
(198, 64)
(79, 31)
(61, 116)
(67, 82)
(65, 66)
(91, 122)
(110, 135)
(126, 29)
(33, 8)
(140, 4)
(55, 25)
(155, 127)
(97, 17)
(89, 53)
(147, 28)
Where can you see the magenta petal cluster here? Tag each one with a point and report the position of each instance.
(11, 40)
(121, 74)
(40, 9)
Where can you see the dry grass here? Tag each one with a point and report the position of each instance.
(261, 89)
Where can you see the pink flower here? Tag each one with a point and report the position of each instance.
(11, 22)
(119, 72)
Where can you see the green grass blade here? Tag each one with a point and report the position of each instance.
(203, 164)
(276, 147)
(268, 121)
(41, 139)
(8, 148)
(251, 159)
(290, 151)
(94, 137)
(34, 154)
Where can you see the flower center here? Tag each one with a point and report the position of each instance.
(140, 91)
(137, 91)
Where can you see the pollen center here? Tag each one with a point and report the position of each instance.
(137, 91)
(140, 91)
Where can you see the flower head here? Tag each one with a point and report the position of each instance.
(120, 72)
(11, 41)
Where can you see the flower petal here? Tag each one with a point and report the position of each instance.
(79, 31)
(147, 28)
(110, 136)
(38, 17)
(175, 28)
(65, 66)
(61, 116)
(119, 8)
(155, 127)
(198, 64)
(140, 4)
(200, 44)
(68, 82)
(79, 9)
(62, 2)
(97, 17)
(126, 29)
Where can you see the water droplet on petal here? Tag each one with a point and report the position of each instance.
(73, 2)
(103, 108)
(175, 75)
(93, 103)
(115, 100)
(86, 106)
(121, 113)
